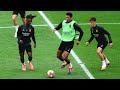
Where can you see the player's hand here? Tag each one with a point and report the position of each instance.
(34, 45)
(21, 41)
(87, 43)
(111, 45)
(78, 42)
(54, 30)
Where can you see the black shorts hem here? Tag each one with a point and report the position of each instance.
(102, 45)
(66, 46)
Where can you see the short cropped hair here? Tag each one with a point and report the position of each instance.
(92, 19)
(69, 14)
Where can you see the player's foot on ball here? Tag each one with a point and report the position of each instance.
(103, 68)
(30, 66)
(24, 67)
(63, 65)
(70, 70)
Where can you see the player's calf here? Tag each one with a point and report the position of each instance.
(60, 58)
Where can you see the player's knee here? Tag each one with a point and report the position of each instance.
(30, 58)
(58, 56)
(64, 58)
(14, 18)
(98, 51)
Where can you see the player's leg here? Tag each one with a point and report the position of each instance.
(68, 48)
(29, 52)
(100, 49)
(60, 52)
(99, 52)
(14, 18)
(65, 57)
(59, 55)
(22, 14)
(21, 53)
(106, 60)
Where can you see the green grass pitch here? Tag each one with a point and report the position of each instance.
(44, 55)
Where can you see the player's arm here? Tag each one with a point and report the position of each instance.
(91, 38)
(109, 37)
(76, 27)
(58, 27)
(33, 38)
(19, 35)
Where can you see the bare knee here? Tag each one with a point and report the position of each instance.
(98, 52)
(14, 18)
(58, 56)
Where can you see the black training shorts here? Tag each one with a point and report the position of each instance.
(23, 47)
(66, 46)
(102, 45)
(22, 13)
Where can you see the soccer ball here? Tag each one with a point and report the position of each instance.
(51, 73)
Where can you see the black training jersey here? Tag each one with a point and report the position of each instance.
(25, 33)
(99, 34)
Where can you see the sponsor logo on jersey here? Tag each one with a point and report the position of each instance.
(96, 30)
(25, 34)
(29, 30)
(101, 46)
(96, 35)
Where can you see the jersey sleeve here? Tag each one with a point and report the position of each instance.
(91, 38)
(76, 27)
(33, 35)
(59, 26)
(107, 33)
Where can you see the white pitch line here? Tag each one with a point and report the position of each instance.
(72, 52)
(44, 25)
(32, 25)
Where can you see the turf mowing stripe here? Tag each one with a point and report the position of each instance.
(72, 52)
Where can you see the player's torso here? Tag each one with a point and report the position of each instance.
(98, 33)
(26, 32)
(68, 31)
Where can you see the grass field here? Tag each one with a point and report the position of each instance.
(44, 56)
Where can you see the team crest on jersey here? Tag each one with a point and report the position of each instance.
(96, 30)
(29, 30)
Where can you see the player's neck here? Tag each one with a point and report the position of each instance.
(68, 21)
(94, 25)
(27, 25)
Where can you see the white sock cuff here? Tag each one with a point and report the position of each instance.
(103, 61)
